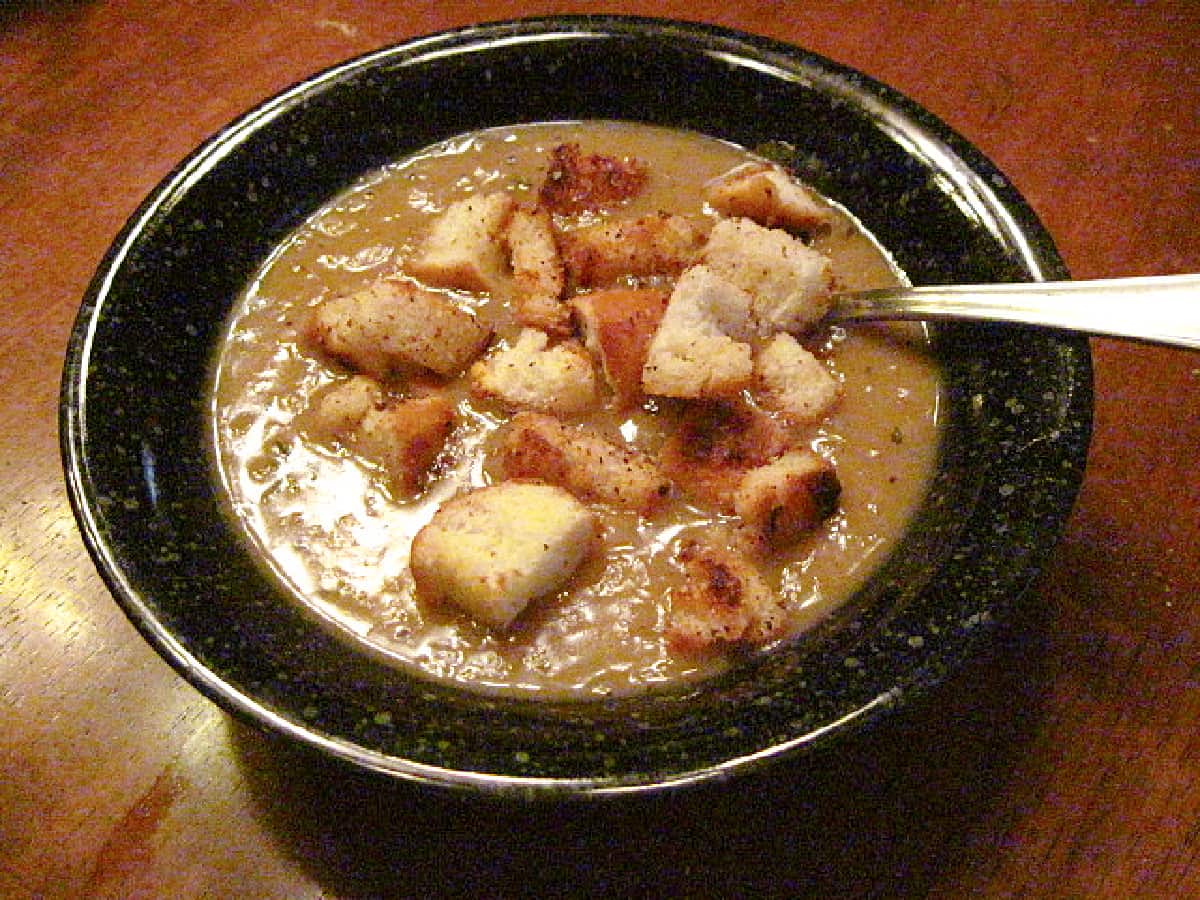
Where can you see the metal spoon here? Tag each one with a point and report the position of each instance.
(1160, 309)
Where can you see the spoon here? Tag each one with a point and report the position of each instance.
(1159, 309)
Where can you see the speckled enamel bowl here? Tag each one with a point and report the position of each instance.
(135, 409)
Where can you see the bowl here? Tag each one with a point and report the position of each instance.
(135, 408)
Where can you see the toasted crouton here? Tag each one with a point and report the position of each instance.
(657, 244)
(402, 437)
(338, 409)
(767, 194)
(589, 466)
(788, 496)
(724, 599)
(530, 374)
(794, 382)
(716, 444)
(699, 349)
(395, 325)
(537, 271)
(463, 248)
(576, 183)
(492, 551)
(617, 326)
(791, 283)
(405, 438)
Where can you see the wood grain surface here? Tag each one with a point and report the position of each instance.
(1065, 764)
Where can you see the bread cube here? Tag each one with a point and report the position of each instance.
(402, 437)
(617, 326)
(391, 326)
(577, 183)
(790, 282)
(716, 444)
(537, 271)
(656, 244)
(463, 248)
(724, 599)
(337, 411)
(768, 195)
(588, 465)
(492, 551)
(405, 438)
(788, 496)
(530, 374)
(793, 382)
(699, 349)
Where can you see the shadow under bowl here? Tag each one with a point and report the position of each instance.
(135, 409)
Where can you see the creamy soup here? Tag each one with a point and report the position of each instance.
(337, 535)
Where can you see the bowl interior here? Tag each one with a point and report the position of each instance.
(135, 406)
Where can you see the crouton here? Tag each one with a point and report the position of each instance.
(530, 374)
(405, 439)
(788, 496)
(492, 551)
(591, 467)
(715, 445)
(791, 283)
(617, 325)
(724, 599)
(463, 248)
(656, 244)
(576, 183)
(402, 437)
(698, 349)
(537, 271)
(337, 411)
(392, 325)
(766, 194)
(793, 382)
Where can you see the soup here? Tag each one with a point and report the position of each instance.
(337, 528)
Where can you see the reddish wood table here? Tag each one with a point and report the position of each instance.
(1065, 764)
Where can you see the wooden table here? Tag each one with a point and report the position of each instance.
(1065, 764)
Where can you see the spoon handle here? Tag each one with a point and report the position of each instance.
(1160, 309)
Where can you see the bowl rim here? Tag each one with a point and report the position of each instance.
(894, 112)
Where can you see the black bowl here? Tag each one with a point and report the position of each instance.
(135, 410)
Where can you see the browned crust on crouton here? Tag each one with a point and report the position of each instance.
(714, 447)
(723, 599)
(392, 326)
(655, 244)
(767, 194)
(618, 325)
(788, 497)
(525, 451)
(588, 465)
(406, 438)
(577, 183)
(402, 437)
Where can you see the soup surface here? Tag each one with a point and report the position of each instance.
(333, 529)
